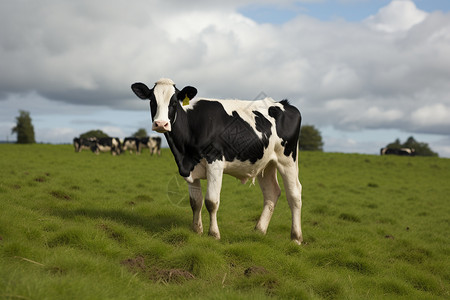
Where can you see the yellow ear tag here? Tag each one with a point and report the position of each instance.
(186, 101)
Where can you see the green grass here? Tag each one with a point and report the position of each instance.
(81, 226)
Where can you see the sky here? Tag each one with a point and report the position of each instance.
(363, 72)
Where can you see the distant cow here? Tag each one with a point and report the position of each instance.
(246, 139)
(130, 144)
(398, 151)
(152, 143)
(107, 144)
(83, 144)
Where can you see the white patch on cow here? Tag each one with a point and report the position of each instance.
(104, 148)
(129, 145)
(163, 91)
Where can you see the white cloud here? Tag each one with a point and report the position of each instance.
(55, 135)
(434, 118)
(399, 15)
(113, 131)
(433, 114)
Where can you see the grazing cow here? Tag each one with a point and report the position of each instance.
(246, 139)
(400, 151)
(82, 143)
(131, 143)
(107, 144)
(152, 143)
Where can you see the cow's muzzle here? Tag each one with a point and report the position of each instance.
(161, 126)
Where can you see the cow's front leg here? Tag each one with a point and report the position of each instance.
(196, 200)
(214, 174)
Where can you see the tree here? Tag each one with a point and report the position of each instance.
(310, 138)
(395, 145)
(421, 149)
(93, 133)
(140, 133)
(24, 128)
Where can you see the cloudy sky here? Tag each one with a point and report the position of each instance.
(364, 72)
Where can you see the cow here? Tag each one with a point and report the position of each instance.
(398, 151)
(106, 144)
(245, 139)
(131, 143)
(82, 143)
(152, 143)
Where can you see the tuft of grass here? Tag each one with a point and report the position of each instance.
(176, 237)
(349, 217)
(328, 289)
(62, 195)
(394, 287)
(71, 237)
(144, 198)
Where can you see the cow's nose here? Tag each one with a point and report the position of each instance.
(161, 126)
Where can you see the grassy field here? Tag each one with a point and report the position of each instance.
(81, 226)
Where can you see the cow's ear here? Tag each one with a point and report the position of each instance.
(188, 92)
(141, 90)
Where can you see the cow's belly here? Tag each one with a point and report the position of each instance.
(104, 148)
(242, 170)
(245, 170)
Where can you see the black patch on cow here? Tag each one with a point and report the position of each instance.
(207, 131)
(157, 140)
(264, 126)
(238, 136)
(107, 142)
(211, 153)
(210, 205)
(287, 126)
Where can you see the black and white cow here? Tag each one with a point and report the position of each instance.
(246, 139)
(107, 144)
(398, 151)
(83, 144)
(152, 143)
(130, 144)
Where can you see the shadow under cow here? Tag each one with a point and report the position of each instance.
(157, 222)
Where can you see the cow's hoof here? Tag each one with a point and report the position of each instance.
(259, 229)
(297, 238)
(198, 229)
(215, 235)
(298, 242)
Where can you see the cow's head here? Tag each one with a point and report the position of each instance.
(164, 99)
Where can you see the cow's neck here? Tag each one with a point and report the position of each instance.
(179, 139)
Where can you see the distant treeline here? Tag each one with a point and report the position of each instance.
(418, 148)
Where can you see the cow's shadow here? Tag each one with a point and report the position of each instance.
(154, 223)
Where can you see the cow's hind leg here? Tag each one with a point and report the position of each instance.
(214, 174)
(271, 191)
(196, 200)
(293, 189)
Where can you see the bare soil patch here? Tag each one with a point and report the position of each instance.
(138, 265)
